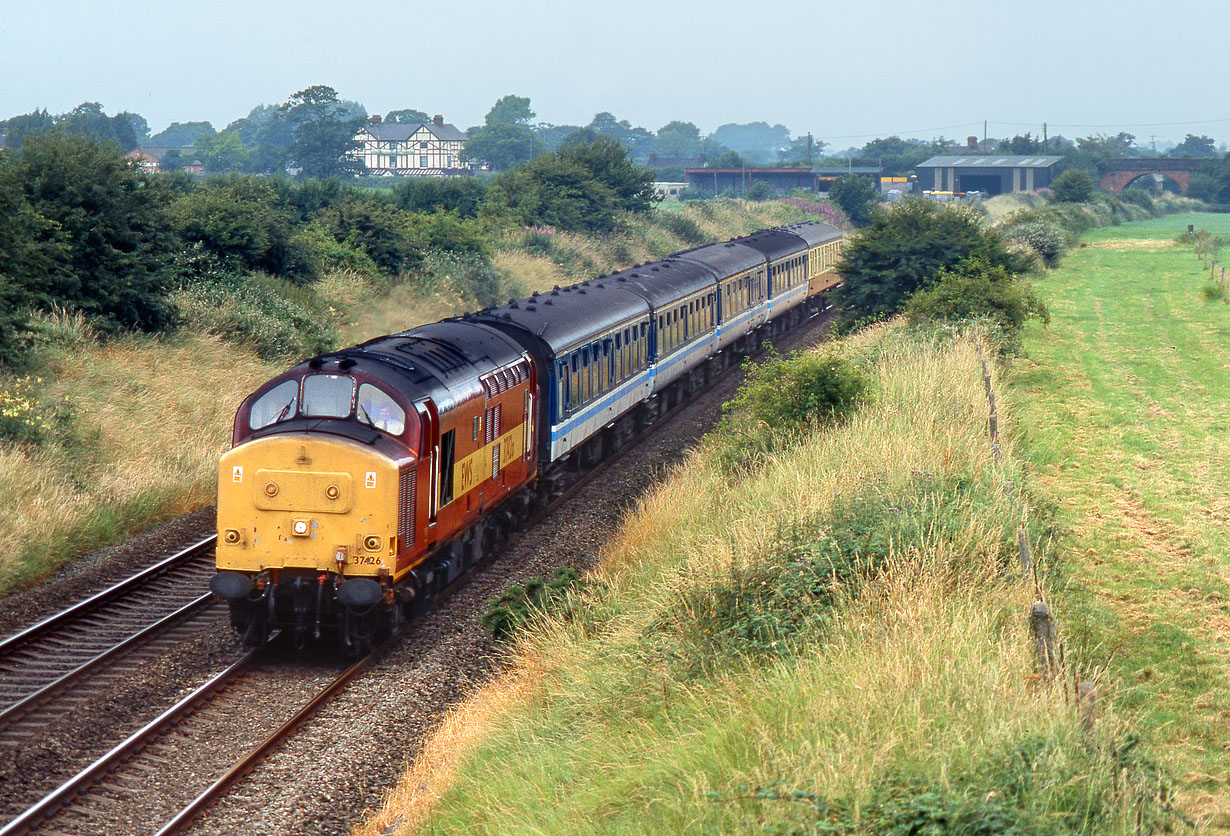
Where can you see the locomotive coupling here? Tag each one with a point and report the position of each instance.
(230, 586)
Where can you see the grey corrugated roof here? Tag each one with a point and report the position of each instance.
(846, 169)
(990, 161)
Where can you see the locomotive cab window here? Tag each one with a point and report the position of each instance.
(380, 410)
(278, 404)
(446, 467)
(328, 395)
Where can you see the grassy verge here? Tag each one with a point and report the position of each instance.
(141, 424)
(1125, 400)
(832, 641)
(134, 425)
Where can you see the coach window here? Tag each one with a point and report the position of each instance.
(276, 405)
(327, 395)
(561, 395)
(380, 410)
(575, 387)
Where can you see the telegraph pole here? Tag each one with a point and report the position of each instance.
(809, 149)
(1045, 145)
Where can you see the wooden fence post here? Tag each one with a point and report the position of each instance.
(1022, 547)
(1042, 625)
(993, 420)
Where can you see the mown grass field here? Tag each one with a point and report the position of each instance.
(1125, 404)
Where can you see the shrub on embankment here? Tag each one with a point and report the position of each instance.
(832, 642)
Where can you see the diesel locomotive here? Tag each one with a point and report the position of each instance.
(361, 483)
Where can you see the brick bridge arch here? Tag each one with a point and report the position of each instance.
(1117, 174)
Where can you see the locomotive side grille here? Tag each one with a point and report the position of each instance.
(405, 507)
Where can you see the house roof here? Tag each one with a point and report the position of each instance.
(401, 131)
(991, 161)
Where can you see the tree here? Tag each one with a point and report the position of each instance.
(1022, 145)
(677, 139)
(182, 134)
(323, 133)
(856, 196)
(755, 141)
(1073, 186)
(241, 220)
(35, 123)
(407, 117)
(221, 152)
(582, 186)
(502, 145)
(906, 247)
(28, 256)
(897, 156)
(1195, 146)
(127, 130)
(107, 241)
(510, 110)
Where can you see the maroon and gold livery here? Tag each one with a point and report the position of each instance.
(363, 480)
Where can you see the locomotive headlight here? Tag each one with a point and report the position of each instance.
(271, 489)
(332, 492)
(231, 536)
(300, 528)
(372, 543)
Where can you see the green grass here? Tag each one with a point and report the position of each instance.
(1124, 400)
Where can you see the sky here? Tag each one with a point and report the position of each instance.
(845, 72)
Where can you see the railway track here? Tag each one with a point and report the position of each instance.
(46, 668)
(163, 776)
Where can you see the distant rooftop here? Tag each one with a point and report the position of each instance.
(989, 161)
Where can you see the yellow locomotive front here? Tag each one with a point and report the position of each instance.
(310, 511)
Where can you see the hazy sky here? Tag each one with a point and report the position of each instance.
(846, 72)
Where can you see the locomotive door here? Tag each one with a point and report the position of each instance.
(430, 452)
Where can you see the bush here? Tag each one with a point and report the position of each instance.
(321, 253)
(473, 279)
(856, 196)
(518, 605)
(1138, 197)
(1073, 186)
(461, 196)
(781, 397)
(1045, 239)
(681, 226)
(975, 290)
(25, 418)
(273, 317)
(907, 247)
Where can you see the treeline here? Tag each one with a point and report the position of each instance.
(313, 131)
(87, 230)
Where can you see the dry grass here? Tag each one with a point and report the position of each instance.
(921, 678)
(150, 418)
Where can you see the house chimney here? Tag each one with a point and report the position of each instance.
(971, 142)
(438, 119)
(375, 119)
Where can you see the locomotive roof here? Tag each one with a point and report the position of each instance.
(443, 359)
(567, 316)
(774, 243)
(662, 282)
(813, 232)
(724, 258)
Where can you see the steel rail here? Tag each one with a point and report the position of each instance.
(202, 802)
(30, 819)
(24, 705)
(11, 643)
